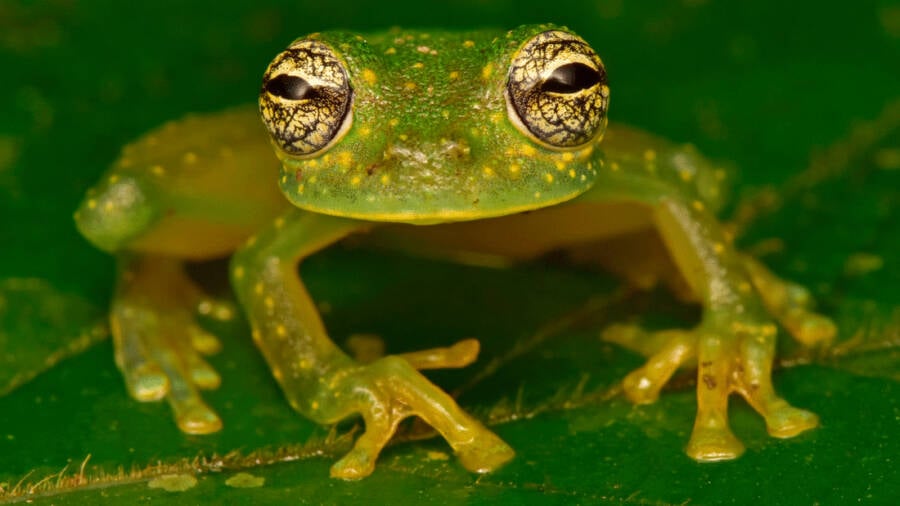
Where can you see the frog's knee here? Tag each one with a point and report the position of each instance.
(116, 212)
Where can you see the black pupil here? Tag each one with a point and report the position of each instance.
(570, 78)
(290, 87)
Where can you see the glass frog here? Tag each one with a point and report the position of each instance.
(478, 143)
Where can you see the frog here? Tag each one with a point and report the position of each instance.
(470, 144)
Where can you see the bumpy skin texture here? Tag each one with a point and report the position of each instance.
(460, 132)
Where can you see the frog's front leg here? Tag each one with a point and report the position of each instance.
(734, 344)
(319, 380)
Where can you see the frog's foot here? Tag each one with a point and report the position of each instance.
(159, 346)
(790, 304)
(389, 390)
(733, 356)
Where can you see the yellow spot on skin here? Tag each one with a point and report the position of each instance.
(488, 172)
(369, 76)
(355, 181)
(279, 222)
(109, 206)
(365, 131)
(454, 75)
(560, 166)
(390, 50)
(650, 155)
(312, 164)
(435, 455)
(403, 137)
(514, 169)
(686, 175)
(445, 114)
(537, 195)
(283, 179)
(469, 44)
(238, 272)
(394, 122)
(698, 205)
(385, 179)
(418, 65)
(157, 170)
(92, 204)
(258, 289)
(303, 364)
(572, 173)
(568, 156)
(313, 179)
(314, 405)
(256, 335)
(281, 331)
(614, 167)
(190, 158)
(300, 188)
(486, 71)
(496, 118)
(527, 150)
(744, 287)
(269, 302)
(409, 85)
(719, 248)
(345, 158)
(112, 179)
(548, 177)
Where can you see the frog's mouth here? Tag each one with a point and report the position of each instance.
(437, 181)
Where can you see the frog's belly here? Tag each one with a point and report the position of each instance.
(522, 236)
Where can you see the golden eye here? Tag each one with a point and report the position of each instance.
(556, 91)
(306, 98)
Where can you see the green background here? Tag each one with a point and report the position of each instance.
(802, 97)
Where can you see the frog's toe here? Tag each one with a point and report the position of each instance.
(145, 382)
(458, 355)
(390, 390)
(810, 329)
(713, 444)
(667, 351)
(788, 421)
(484, 454)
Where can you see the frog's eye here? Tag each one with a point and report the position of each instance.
(556, 91)
(306, 98)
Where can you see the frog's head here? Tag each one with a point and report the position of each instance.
(427, 127)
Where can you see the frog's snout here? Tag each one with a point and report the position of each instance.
(114, 213)
(439, 153)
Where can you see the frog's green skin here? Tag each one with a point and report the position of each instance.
(404, 129)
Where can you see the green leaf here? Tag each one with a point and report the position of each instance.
(801, 97)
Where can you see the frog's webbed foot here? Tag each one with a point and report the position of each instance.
(159, 346)
(733, 355)
(386, 392)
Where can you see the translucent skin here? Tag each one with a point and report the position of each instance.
(431, 143)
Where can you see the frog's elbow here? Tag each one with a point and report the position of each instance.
(111, 216)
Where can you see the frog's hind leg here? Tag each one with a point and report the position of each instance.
(158, 344)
